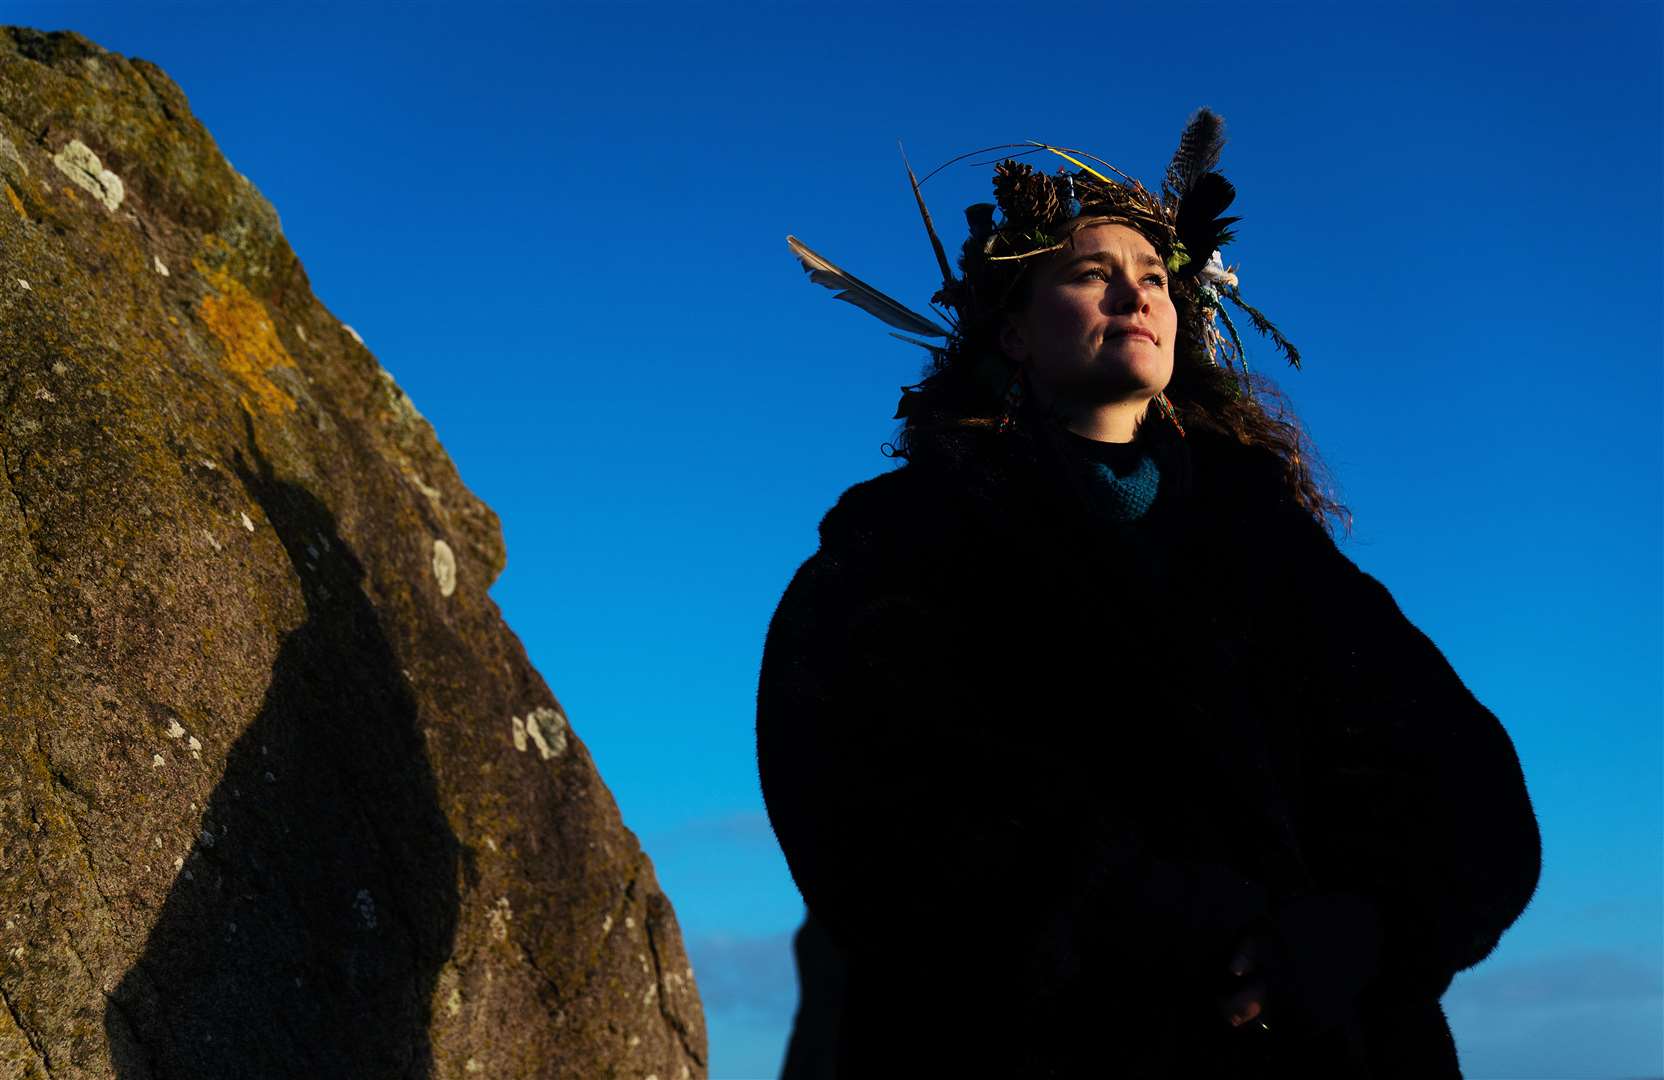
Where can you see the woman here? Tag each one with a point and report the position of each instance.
(1082, 740)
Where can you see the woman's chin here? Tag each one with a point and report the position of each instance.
(1132, 370)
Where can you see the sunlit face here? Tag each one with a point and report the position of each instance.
(1099, 327)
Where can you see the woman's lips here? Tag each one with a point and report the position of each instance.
(1134, 331)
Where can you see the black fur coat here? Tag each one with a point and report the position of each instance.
(1039, 773)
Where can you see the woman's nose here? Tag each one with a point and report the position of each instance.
(1126, 297)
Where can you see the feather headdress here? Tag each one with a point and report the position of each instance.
(1033, 214)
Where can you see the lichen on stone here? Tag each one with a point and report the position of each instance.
(78, 162)
(244, 329)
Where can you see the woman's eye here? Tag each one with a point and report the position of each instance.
(1156, 280)
(1099, 274)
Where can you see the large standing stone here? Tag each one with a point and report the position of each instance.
(280, 794)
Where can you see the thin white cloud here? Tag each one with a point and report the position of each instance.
(1561, 980)
(742, 829)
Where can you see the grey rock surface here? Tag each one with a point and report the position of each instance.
(280, 793)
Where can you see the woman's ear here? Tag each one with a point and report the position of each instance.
(1012, 341)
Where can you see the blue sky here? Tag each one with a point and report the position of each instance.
(561, 228)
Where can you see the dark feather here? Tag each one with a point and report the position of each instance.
(1210, 196)
(1198, 153)
(1264, 326)
(921, 343)
(853, 290)
(1200, 228)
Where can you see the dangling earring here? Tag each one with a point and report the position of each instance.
(1169, 412)
(1012, 397)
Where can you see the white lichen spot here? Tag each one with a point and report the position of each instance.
(453, 1003)
(207, 838)
(365, 906)
(517, 729)
(473, 1066)
(81, 165)
(270, 779)
(352, 333)
(194, 743)
(8, 152)
(24, 285)
(686, 1073)
(60, 368)
(156, 841)
(300, 332)
(629, 922)
(43, 394)
(432, 493)
(690, 972)
(161, 267)
(547, 728)
(156, 760)
(405, 412)
(606, 926)
(215, 544)
(177, 863)
(247, 524)
(444, 567)
(635, 1041)
(175, 731)
(207, 464)
(490, 843)
(73, 638)
(652, 992)
(500, 916)
(651, 1076)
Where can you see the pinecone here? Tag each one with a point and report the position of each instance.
(1025, 196)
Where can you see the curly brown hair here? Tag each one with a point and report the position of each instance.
(967, 387)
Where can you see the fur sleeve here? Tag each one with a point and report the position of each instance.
(1414, 797)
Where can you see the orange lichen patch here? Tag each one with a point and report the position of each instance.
(17, 203)
(252, 347)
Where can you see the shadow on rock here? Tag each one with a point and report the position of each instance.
(304, 933)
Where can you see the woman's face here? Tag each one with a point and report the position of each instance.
(1099, 327)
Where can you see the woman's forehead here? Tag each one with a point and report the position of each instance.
(1109, 237)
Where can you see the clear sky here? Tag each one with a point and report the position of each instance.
(562, 228)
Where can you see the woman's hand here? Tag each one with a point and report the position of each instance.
(1247, 1003)
(1318, 952)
